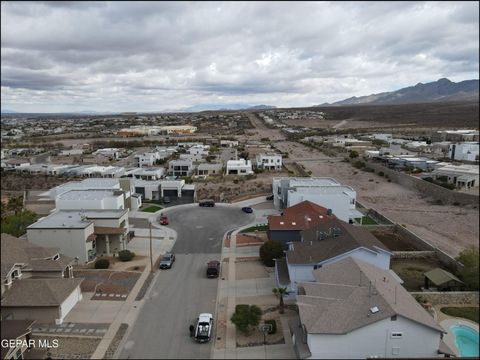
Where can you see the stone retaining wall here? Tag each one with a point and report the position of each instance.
(449, 297)
(434, 191)
(413, 254)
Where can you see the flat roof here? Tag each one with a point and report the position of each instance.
(325, 189)
(95, 194)
(73, 218)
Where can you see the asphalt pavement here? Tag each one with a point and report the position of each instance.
(179, 294)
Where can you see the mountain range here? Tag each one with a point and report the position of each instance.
(442, 90)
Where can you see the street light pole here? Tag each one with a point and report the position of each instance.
(151, 255)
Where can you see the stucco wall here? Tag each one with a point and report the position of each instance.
(69, 303)
(71, 242)
(375, 340)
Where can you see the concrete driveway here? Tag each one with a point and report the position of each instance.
(179, 294)
(94, 311)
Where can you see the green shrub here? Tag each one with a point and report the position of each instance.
(269, 251)
(469, 273)
(246, 316)
(274, 326)
(235, 181)
(358, 164)
(125, 255)
(448, 186)
(381, 173)
(353, 154)
(102, 264)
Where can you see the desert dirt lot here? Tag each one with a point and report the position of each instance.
(451, 228)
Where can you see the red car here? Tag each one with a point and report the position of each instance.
(163, 220)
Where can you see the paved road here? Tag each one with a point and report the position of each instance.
(181, 293)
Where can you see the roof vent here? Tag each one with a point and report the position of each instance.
(320, 216)
(329, 212)
(294, 223)
(309, 219)
(281, 222)
(374, 310)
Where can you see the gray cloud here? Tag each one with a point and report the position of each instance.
(155, 55)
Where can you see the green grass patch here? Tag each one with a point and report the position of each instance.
(152, 209)
(470, 313)
(255, 228)
(366, 220)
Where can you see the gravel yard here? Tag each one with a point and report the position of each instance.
(71, 347)
(451, 228)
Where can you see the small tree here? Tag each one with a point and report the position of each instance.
(246, 316)
(280, 293)
(469, 272)
(353, 154)
(269, 251)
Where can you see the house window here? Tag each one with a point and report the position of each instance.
(393, 318)
(396, 335)
(56, 257)
(243, 171)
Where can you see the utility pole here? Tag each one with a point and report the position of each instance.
(151, 255)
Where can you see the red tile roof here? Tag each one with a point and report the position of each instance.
(302, 216)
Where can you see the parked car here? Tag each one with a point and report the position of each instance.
(213, 268)
(163, 220)
(167, 261)
(166, 200)
(202, 331)
(206, 203)
(247, 210)
(270, 197)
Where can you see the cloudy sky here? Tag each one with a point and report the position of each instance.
(153, 56)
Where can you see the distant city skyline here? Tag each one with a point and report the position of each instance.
(160, 56)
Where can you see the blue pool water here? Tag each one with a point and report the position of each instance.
(466, 340)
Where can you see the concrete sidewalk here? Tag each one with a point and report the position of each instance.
(231, 288)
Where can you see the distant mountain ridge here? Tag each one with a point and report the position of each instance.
(437, 91)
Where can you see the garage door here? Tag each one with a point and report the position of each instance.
(170, 193)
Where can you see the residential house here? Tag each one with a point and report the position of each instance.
(156, 190)
(239, 167)
(17, 163)
(37, 282)
(325, 192)
(269, 161)
(329, 241)
(90, 199)
(355, 310)
(70, 152)
(149, 173)
(111, 153)
(180, 168)
(467, 151)
(83, 234)
(455, 135)
(228, 143)
(288, 226)
(207, 169)
(462, 176)
(146, 159)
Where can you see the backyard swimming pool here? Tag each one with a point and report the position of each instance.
(466, 340)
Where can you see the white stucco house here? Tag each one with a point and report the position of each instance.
(466, 151)
(239, 167)
(82, 234)
(269, 161)
(325, 192)
(354, 310)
